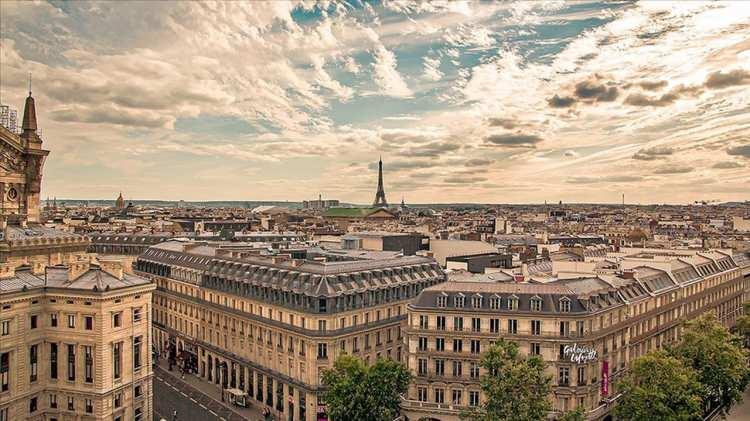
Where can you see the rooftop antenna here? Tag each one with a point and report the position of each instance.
(29, 83)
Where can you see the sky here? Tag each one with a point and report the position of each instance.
(465, 102)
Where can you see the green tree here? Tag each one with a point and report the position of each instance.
(574, 415)
(717, 357)
(659, 387)
(743, 325)
(516, 388)
(356, 391)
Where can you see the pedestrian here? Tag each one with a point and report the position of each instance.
(174, 415)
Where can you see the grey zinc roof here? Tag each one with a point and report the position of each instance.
(57, 277)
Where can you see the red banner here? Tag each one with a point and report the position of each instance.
(605, 378)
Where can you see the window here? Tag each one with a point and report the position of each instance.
(137, 352)
(4, 371)
(494, 325)
(32, 404)
(458, 345)
(52, 361)
(440, 322)
(138, 391)
(494, 303)
(71, 404)
(88, 322)
(52, 401)
(474, 370)
(138, 414)
(71, 321)
(422, 366)
(458, 323)
(33, 366)
(513, 303)
(136, 315)
(456, 396)
(5, 328)
(581, 376)
(476, 301)
(117, 360)
(536, 327)
(88, 372)
(322, 350)
(457, 368)
(439, 395)
(512, 326)
(473, 398)
(476, 347)
(4, 414)
(439, 367)
(476, 324)
(422, 394)
(536, 304)
(564, 376)
(422, 344)
(322, 325)
(117, 319)
(118, 400)
(71, 362)
(89, 406)
(440, 344)
(33, 323)
(442, 301)
(423, 322)
(564, 328)
(579, 328)
(534, 348)
(459, 301)
(565, 305)
(53, 320)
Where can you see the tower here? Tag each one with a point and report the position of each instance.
(380, 194)
(120, 202)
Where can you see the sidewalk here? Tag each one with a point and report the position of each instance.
(211, 390)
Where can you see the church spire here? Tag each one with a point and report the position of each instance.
(29, 112)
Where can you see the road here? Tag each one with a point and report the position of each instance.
(742, 411)
(171, 394)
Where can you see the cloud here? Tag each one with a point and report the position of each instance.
(386, 76)
(593, 90)
(652, 85)
(641, 100)
(351, 66)
(477, 162)
(571, 154)
(558, 101)
(506, 123)
(654, 153)
(400, 165)
(742, 150)
(604, 179)
(109, 115)
(464, 180)
(433, 149)
(724, 165)
(674, 169)
(720, 80)
(432, 69)
(513, 140)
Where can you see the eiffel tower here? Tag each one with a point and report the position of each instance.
(380, 195)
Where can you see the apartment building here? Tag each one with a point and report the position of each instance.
(270, 325)
(587, 328)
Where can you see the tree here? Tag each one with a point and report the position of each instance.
(516, 388)
(356, 391)
(743, 325)
(659, 387)
(574, 415)
(717, 357)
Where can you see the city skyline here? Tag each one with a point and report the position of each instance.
(482, 103)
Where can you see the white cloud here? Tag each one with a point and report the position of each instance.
(432, 69)
(386, 76)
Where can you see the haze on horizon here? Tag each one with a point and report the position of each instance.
(466, 102)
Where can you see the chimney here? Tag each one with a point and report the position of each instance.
(76, 269)
(628, 274)
(7, 270)
(113, 267)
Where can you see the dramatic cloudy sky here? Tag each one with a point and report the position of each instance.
(479, 102)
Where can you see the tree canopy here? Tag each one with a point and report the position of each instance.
(717, 357)
(516, 388)
(659, 387)
(356, 391)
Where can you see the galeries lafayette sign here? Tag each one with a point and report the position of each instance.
(579, 354)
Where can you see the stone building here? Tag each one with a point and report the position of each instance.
(587, 328)
(74, 337)
(271, 325)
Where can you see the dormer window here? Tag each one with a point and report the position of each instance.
(565, 305)
(513, 303)
(536, 304)
(459, 301)
(476, 301)
(495, 302)
(442, 301)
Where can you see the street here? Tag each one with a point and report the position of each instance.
(172, 394)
